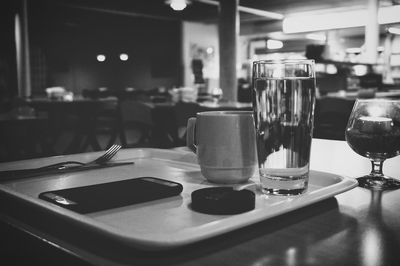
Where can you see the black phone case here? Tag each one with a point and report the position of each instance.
(112, 195)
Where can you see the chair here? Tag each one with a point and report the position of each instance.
(135, 124)
(23, 134)
(158, 95)
(183, 111)
(331, 116)
(366, 93)
(107, 121)
(97, 93)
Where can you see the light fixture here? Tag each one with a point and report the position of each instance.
(334, 19)
(101, 58)
(358, 50)
(177, 5)
(123, 57)
(316, 37)
(360, 70)
(354, 50)
(254, 11)
(393, 30)
(274, 44)
(331, 69)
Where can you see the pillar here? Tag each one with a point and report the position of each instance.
(372, 32)
(228, 39)
(387, 67)
(22, 51)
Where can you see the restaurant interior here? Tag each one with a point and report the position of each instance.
(72, 66)
(79, 76)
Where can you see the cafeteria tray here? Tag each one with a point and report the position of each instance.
(157, 225)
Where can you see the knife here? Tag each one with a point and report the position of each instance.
(25, 173)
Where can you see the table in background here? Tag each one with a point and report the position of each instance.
(358, 227)
(170, 119)
(83, 116)
(352, 95)
(79, 116)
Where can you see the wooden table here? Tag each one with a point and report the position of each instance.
(358, 227)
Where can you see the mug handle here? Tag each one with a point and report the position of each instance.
(190, 134)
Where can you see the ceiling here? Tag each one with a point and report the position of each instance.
(200, 11)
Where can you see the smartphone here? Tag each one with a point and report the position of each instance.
(111, 195)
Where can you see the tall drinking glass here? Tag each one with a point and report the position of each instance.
(283, 102)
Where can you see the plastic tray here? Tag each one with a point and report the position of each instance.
(161, 224)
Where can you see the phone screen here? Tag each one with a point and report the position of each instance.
(111, 195)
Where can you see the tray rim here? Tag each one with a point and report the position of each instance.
(170, 242)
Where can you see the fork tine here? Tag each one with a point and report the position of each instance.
(117, 148)
(112, 149)
(104, 155)
(113, 152)
(109, 153)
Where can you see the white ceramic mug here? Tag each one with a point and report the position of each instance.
(224, 142)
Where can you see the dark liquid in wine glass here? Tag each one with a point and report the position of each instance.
(375, 146)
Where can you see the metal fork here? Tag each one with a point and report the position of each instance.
(66, 167)
(107, 156)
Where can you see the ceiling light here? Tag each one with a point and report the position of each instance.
(254, 11)
(330, 19)
(393, 30)
(319, 22)
(358, 50)
(316, 37)
(353, 50)
(360, 70)
(274, 44)
(101, 58)
(123, 57)
(210, 50)
(331, 69)
(177, 5)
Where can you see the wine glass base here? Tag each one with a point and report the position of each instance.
(384, 183)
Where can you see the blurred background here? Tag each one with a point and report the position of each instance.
(156, 50)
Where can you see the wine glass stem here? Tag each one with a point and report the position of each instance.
(377, 167)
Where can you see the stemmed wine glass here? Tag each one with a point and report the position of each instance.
(373, 131)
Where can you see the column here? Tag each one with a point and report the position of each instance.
(228, 38)
(372, 32)
(22, 51)
(387, 68)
